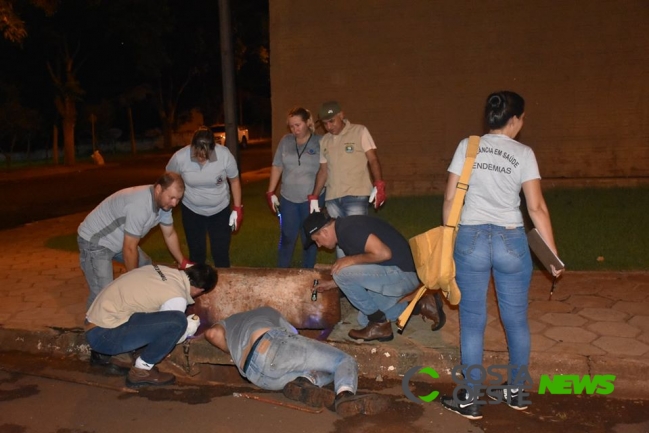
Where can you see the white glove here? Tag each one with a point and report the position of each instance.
(275, 202)
(236, 217)
(313, 204)
(378, 194)
(193, 322)
(233, 220)
(372, 195)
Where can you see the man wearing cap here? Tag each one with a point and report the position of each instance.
(347, 156)
(376, 272)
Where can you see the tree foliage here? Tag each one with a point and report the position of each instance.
(156, 59)
(12, 26)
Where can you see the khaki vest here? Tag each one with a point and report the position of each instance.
(348, 173)
(142, 290)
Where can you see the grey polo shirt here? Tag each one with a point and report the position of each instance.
(239, 327)
(207, 191)
(131, 210)
(299, 165)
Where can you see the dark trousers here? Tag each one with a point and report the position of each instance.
(157, 332)
(216, 227)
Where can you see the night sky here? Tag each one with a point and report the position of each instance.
(129, 53)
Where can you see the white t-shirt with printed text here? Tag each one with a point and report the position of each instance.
(500, 169)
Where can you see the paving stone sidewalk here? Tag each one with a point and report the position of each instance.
(595, 323)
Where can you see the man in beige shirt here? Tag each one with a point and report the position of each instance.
(347, 158)
(145, 308)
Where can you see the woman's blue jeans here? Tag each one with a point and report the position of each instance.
(289, 356)
(291, 218)
(479, 251)
(157, 332)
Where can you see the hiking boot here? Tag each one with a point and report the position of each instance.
(113, 364)
(506, 395)
(123, 360)
(465, 407)
(301, 389)
(348, 404)
(138, 377)
(381, 331)
(431, 307)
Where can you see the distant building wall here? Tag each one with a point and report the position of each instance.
(417, 74)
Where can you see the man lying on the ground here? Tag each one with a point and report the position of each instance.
(270, 353)
(145, 308)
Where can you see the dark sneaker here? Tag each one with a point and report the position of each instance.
(512, 398)
(348, 404)
(97, 358)
(138, 377)
(467, 408)
(301, 389)
(381, 331)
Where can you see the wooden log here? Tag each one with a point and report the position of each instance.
(289, 291)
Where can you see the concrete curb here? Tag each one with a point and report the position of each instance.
(376, 361)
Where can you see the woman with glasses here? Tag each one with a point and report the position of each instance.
(296, 162)
(210, 173)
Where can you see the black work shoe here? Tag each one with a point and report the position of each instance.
(381, 331)
(97, 358)
(431, 307)
(467, 408)
(512, 398)
(348, 404)
(138, 377)
(112, 365)
(301, 389)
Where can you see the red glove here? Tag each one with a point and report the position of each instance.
(185, 264)
(378, 194)
(236, 217)
(273, 202)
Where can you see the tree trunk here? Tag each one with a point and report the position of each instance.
(167, 134)
(130, 122)
(167, 121)
(55, 145)
(29, 149)
(8, 156)
(69, 120)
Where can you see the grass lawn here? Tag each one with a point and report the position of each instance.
(595, 229)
